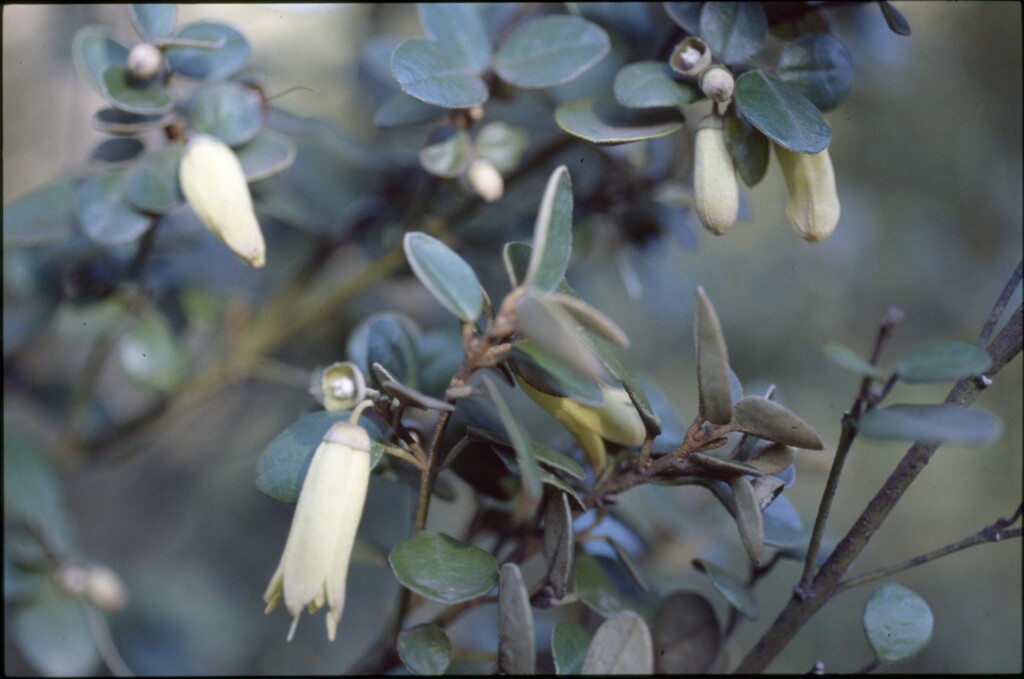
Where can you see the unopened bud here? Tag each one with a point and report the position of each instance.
(485, 180)
(214, 185)
(690, 57)
(145, 61)
(104, 588)
(717, 83)
(343, 386)
(813, 205)
(715, 187)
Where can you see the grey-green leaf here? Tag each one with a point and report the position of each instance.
(520, 439)
(390, 340)
(126, 93)
(552, 234)
(942, 362)
(559, 542)
(606, 588)
(733, 30)
(93, 51)
(569, 642)
(447, 158)
(117, 150)
(153, 21)
(735, 592)
(151, 354)
(547, 374)
(847, 358)
(556, 333)
(266, 155)
(428, 72)
(551, 51)
(425, 649)
(819, 66)
(781, 112)
(32, 490)
(932, 424)
(45, 215)
(229, 111)
(210, 64)
(443, 569)
(712, 362)
(104, 215)
(400, 109)
(686, 635)
(54, 634)
(459, 28)
(590, 318)
(649, 84)
(898, 623)
(516, 257)
(602, 121)
(502, 144)
(516, 653)
(686, 15)
(621, 645)
(748, 147)
(769, 420)
(116, 121)
(748, 517)
(774, 458)
(152, 183)
(446, 275)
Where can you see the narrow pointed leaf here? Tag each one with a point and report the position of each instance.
(686, 635)
(729, 467)
(637, 393)
(552, 234)
(774, 458)
(551, 51)
(551, 376)
(733, 30)
(621, 645)
(781, 112)
(932, 424)
(735, 592)
(520, 440)
(847, 358)
(516, 654)
(593, 320)
(604, 122)
(446, 275)
(712, 362)
(897, 23)
(766, 419)
(443, 569)
(546, 456)
(460, 29)
(559, 543)
(556, 333)
(569, 642)
(414, 398)
(898, 623)
(748, 517)
(516, 257)
(425, 649)
(606, 588)
(627, 561)
(942, 362)
(427, 71)
(649, 84)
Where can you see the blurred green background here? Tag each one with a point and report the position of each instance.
(927, 155)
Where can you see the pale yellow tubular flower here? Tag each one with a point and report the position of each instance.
(716, 190)
(314, 567)
(813, 205)
(214, 185)
(615, 419)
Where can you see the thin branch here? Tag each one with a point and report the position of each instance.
(1000, 305)
(870, 667)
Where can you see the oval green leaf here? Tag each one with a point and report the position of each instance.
(549, 375)
(151, 185)
(713, 388)
(117, 150)
(459, 28)
(548, 457)
(128, 94)
(781, 112)
(153, 21)
(621, 645)
(774, 458)
(747, 146)
(552, 234)
(32, 491)
(686, 15)
(448, 158)
(932, 424)
(686, 636)
(819, 66)
(116, 121)
(649, 84)
(425, 70)
(748, 517)
(229, 111)
(942, 362)
(849, 359)
(767, 419)
(93, 52)
(104, 215)
(446, 275)
(516, 652)
(151, 354)
(733, 30)
(606, 588)
(521, 442)
(425, 649)
(210, 64)
(516, 257)
(400, 109)
(268, 154)
(551, 51)
(569, 642)
(603, 122)
(559, 543)
(898, 623)
(556, 333)
(443, 569)
(502, 144)
(45, 215)
(390, 340)
(731, 587)
(54, 633)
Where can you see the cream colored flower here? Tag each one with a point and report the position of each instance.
(314, 566)
(813, 205)
(715, 187)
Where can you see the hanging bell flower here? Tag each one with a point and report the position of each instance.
(214, 185)
(715, 187)
(314, 567)
(813, 205)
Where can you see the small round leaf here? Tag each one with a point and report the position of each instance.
(268, 154)
(129, 94)
(819, 66)
(448, 158)
(153, 21)
(53, 633)
(428, 72)
(847, 358)
(602, 122)
(116, 121)
(621, 645)
(569, 642)
(425, 649)
(117, 150)
(686, 635)
(210, 64)
(93, 51)
(460, 29)
(104, 215)
(733, 30)
(152, 183)
(898, 623)
(443, 569)
(649, 84)
(229, 110)
(932, 424)
(942, 362)
(446, 275)
(551, 51)
(781, 112)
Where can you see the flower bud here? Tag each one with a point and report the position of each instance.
(343, 386)
(104, 588)
(717, 83)
(813, 205)
(690, 57)
(715, 187)
(214, 184)
(145, 61)
(485, 180)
